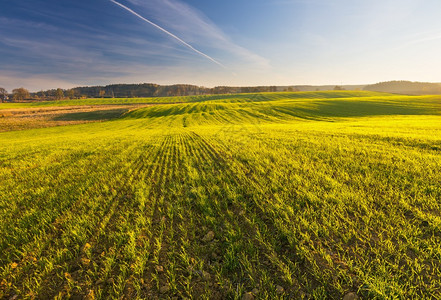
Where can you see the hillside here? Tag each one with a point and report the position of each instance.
(406, 87)
(306, 195)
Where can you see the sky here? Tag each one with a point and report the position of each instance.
(48, 44)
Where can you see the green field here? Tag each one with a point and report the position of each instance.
(285, 195)
(127, 101)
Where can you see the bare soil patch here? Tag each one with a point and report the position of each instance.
(29, 118)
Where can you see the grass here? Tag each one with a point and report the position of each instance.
(288, 195)
(185, 99)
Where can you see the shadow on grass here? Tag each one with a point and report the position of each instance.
(96, 115)
(341, 108)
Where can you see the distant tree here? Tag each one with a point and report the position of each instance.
(20, 94)
(71, 94)
(3, 94)
(42, 94)
(338, 88)
(59, 94)
(102, 93)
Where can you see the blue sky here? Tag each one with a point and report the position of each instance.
(66, 43)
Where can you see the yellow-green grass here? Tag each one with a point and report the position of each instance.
(184, 99)
(93, 101)
(320, 196)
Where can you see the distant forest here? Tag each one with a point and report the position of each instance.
(155, 90)
(147, 90)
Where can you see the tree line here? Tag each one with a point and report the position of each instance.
(19, 94)
(155, 90)
(127, 91)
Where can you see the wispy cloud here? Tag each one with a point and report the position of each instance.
(427, 38)
(168, 33)
(196, 28)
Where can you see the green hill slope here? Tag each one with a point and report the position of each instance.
(276, 108)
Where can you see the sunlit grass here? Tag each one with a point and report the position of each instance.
(305, 197)
(200, 98)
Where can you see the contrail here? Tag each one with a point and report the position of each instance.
(169, 33)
